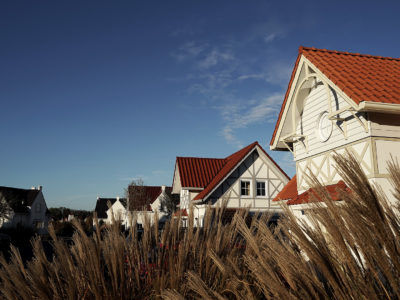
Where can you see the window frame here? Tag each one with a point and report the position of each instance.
(265, 188)
(249, 188)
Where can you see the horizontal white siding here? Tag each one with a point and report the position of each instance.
(315, 104)
(385, 125)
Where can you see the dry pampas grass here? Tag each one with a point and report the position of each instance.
(346, 251)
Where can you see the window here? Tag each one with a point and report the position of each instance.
(260, 188)
(37, 224)
(324, 127)
(245, 188)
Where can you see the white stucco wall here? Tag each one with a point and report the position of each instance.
(117, 212)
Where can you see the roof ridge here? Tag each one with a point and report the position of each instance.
(302, 49)
(15, 188)
(252, 145)
(196, 157)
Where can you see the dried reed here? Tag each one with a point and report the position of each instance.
(346, 251)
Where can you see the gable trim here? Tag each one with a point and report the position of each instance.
(260, 152)
(295, 87)
(226, 177)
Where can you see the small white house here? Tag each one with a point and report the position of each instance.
(338, 102)
(24, 207)
(104, 207)
(249, 178)
(145, 201)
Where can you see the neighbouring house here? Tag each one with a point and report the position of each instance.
(117, 211)
(249, 178)
(24, 207)
(145, 201)
(103, 210)
(338, 102)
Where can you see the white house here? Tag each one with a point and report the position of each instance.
(339, 101)
(247, 178)
(102, 207)
(145, 201)
(24, 207)
(117, 211)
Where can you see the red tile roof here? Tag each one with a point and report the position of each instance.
(311, 195)
(198, 172)
(207, 173)
(361, 77)
(140, 197)
(289, 191)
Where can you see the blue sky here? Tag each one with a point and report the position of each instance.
(96, 93)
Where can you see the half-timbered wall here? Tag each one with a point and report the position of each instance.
(255, 168)
(184, 199)
(323, 165)
(345, 131)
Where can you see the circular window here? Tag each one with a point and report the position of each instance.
(324, 126)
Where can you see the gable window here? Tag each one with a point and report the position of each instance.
(325, 127)
(245, 188)
(260, 188)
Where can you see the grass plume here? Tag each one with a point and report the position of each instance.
(348, 251)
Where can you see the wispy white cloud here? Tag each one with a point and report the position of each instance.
(215, 57)
(270, 37)
(269, 31)
(247, 113)
(189, 50)
(223, 70)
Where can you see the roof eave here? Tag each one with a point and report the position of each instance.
(369, 106)
(192, 188)
(226, 176)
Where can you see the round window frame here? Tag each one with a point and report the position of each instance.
(322, 137)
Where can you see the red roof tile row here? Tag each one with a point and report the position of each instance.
(361, 77)
(290, 192)
(198, 172)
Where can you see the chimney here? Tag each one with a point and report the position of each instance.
(117, 198)
(39, 188)
(33, 188)
(163, 188)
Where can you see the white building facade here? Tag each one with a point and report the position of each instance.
(26, 208)
(248, 178)
(338, 102)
